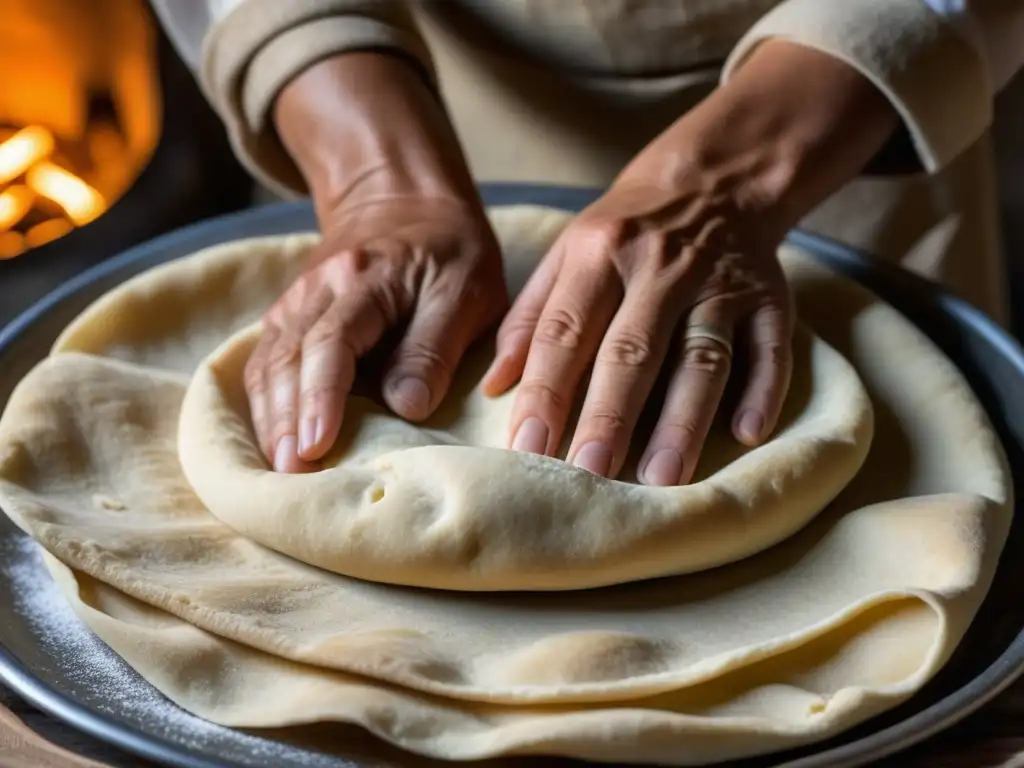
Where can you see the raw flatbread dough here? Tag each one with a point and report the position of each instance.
(442, 505)
(846, 618)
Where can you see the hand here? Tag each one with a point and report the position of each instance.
(642, 272)
(405, 240)
(431, 262)
(677, 261)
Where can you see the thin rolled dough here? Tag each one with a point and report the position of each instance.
(441, 504)
(846, 618)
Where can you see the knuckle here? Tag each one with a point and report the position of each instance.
(274, 318)
(706, 357)
(679, 431)
(600, 234)
(300, 287)
(419, 356)
(253, 379)
(560, 327)
(628, 348)
(775, 353)
(605, 419)
(281, 421)
(323, 334)
(341, 267)
(593, 243)
(516, 330)
(542, 397)
(318, 395)
(285, 353)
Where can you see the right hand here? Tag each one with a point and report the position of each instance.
(405, 240)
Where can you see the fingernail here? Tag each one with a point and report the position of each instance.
(309, 434)
(285, 456)
(663, 468)
(594, 457)
(413, 394)
(532, 436)
(750, 426)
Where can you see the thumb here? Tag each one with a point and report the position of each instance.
(441, 330)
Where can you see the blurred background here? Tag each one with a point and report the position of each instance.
(106, 141)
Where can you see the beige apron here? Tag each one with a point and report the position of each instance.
(521, 121)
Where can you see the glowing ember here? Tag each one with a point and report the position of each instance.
(45, 200)
(18, 153)
(15, 203)
(81, 202)
(46, 231)
(11, 244)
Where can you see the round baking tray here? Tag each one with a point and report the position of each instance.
(989, 659)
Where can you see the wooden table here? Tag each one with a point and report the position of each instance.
(993, 737)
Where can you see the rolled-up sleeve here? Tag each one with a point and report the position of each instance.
(939, 62)
(245, 51)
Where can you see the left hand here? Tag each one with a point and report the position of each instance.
(682, 248)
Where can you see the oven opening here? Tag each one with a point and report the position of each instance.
(79, 113)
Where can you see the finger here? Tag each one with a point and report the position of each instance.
(331, 349)
(443, 326)
(771, 368)
(516, 330)
(626, 369)
(567, 334)
(281, 370)
(258, 390)
(693, 396)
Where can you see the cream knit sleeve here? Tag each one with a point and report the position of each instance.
(245, 51)
(940, 62)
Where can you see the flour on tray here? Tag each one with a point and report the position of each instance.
(112, 688)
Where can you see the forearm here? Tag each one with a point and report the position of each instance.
(789, 128)
(360, 126)
(938, 62)
(245, 51)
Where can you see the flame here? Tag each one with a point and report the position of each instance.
(15, 203)
(28, 154)
(18, 153)
(46, 231)
(11, 244)
(81, 202)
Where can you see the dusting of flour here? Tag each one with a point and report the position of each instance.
(109, 686)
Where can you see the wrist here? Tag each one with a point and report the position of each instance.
(364, 126)
(791, 127)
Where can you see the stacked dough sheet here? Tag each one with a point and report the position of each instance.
(462, 601)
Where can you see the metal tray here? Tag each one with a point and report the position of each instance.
(91, 696)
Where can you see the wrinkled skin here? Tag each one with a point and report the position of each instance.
(685, 237)
(617, 289)
(429, 263)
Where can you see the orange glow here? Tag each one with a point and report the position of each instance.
(18, 153)
(46, 231)
(15, 203)
(81, 202)
(11, 244)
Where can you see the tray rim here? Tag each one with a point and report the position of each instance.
(1000, 673)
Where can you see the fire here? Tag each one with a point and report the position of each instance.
(18, 153)
(81, 202)
(15, 202)
(26, 159)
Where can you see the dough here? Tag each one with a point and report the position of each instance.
(442, 504)
(844, 619)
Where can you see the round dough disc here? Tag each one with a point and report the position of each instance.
(846, 618)
(442, 504)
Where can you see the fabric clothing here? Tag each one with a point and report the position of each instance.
(567, 92)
